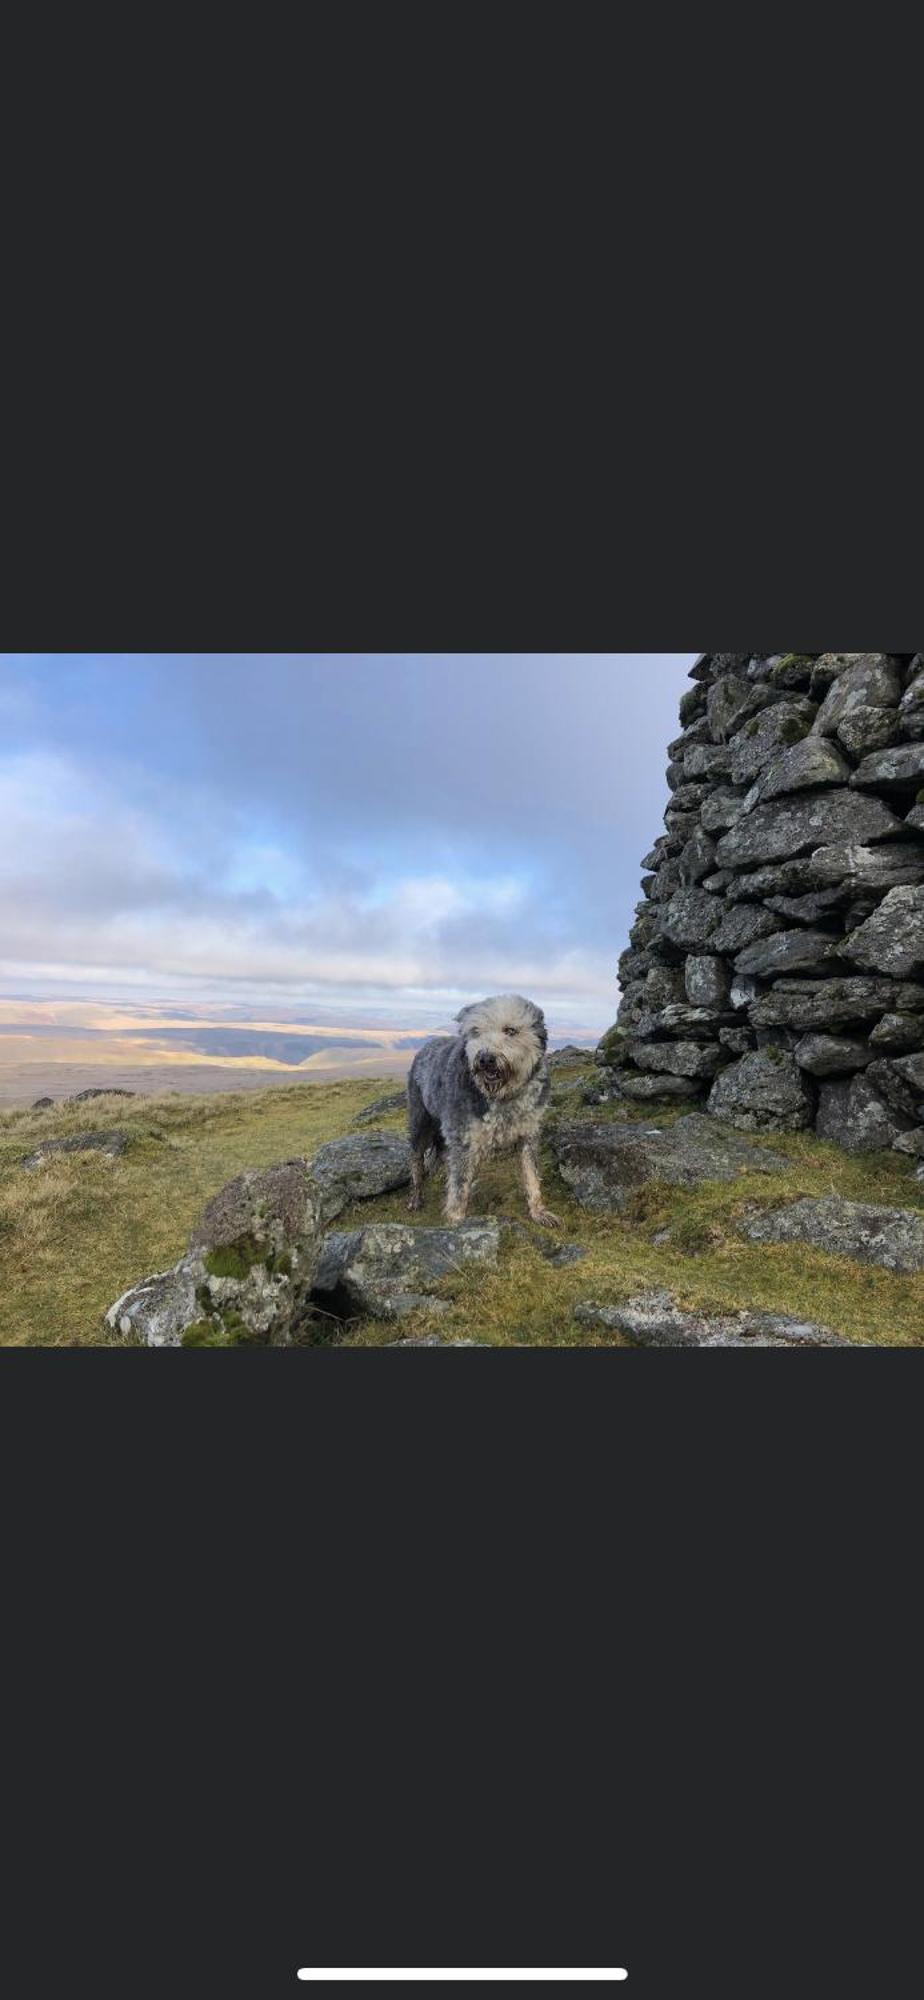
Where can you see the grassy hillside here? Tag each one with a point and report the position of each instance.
(77, 1232)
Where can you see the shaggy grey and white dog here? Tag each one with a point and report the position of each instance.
(477, 1092)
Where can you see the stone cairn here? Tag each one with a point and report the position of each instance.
(776, 965)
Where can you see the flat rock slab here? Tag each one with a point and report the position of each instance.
(385, 1270)
(110, 1144)
(890, 1237)
(359, 1167)
(654, 1319)
(785, 826)
(433, 1340)
(604, 1165)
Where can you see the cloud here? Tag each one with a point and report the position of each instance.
(392, 833)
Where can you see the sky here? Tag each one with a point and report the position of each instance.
(361, 838)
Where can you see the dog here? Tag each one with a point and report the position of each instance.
(477, 1092)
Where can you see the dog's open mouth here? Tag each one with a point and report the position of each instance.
(491, 1074)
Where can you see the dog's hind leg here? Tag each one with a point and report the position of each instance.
(533, 1186)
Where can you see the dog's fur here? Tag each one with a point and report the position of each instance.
(477, 1092)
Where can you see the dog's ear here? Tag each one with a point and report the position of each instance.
(537, 1023)
(462, 1018)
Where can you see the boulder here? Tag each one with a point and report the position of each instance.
(853, 866)
(867, 729)
(655, 1089)
(708, 982)
(360, 1167)
(686, 1059)
(892, 939)
(911, 709)
(867, 681)
(388, 1269)
(689, 919)
(246, 1277)
(911, 1070)
(785, 951)
(814, 762)
(695, 1024)
(654, 1319)
(831, 1055)
(902, 1088)
(271, 1209)
(812, 909)
(853, 1115)
(160, 1309)
(732, 700)
(785, 826)
(722, 809)
(898, 1034)
(698, 857)
(605, 1165)
(890, 1237)
(833, 1003)
(765, 1091)
(110, 1144)
(743, 925)
(765, 735)
(897, 770)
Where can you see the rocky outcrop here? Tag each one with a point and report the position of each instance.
(389, 1269)
(654, 1319)
(246, 1276)
(260, 1271)
(779, 944)
(890, 1237)
(605, 1165)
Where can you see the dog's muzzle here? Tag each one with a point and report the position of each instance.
(491, 1070)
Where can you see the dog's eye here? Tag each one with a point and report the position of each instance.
(511, 1031)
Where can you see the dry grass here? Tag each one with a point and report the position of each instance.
(75, 1234)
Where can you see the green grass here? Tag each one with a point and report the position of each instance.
(76, 1233)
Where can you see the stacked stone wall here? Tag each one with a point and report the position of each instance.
(776, 964)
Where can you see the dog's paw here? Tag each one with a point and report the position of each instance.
(544, 1218)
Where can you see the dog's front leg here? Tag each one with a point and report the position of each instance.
(531, 1182)
(459, 1178)
(418, 1173)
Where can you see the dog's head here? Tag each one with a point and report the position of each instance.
(505, 1040)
